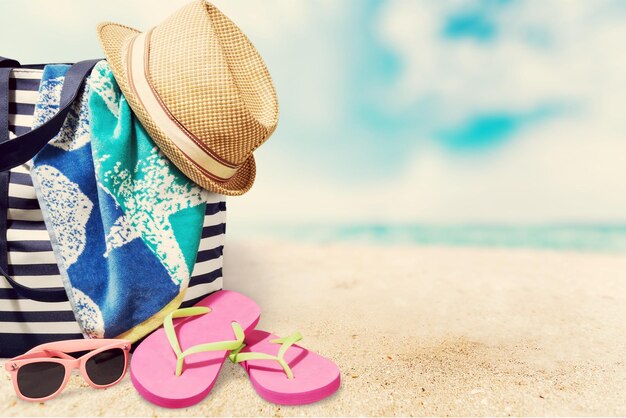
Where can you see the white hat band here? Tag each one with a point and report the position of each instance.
(137, 72)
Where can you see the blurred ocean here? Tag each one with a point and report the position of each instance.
(586, 238)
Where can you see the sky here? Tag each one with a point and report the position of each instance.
(402, 111)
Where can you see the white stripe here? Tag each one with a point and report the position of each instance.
(215, 219)
(12, 305)
(21, 169)
(27, 235)
(207, 266)
(33, 281)
(27, 73)
(211, 242)
(203, 289)
(23, 96)
(27, 258)
(21, 120)
(40, 328)
(22, 191)
(25, 214)
(179, 137)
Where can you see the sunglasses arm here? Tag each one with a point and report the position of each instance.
(39, 354)
(71, 346)
(59, 354)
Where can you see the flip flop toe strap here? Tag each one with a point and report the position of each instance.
(168, 325)
(236, 356)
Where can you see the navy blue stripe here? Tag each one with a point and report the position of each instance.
(9, 294)
(206, 278)
(12, 294)
(29, 84)
(37, 316)
(29, 246)
(186, 304)
(213, 208)
(192, 302)
(19, 130)
(42, 66)
(21, 109)
(211, 231)
(12, 345)
(33, 270)
(26, 225)
(211, 254)
(21, 203)
(20, 178)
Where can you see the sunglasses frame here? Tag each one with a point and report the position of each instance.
(43, 353)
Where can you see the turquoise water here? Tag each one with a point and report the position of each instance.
(588, 238)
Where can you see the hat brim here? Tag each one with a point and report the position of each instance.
(114, 39)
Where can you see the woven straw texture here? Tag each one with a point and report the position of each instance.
(212, 80)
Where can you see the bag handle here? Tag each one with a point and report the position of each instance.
(5, 73)
(23, 148)
(44, 294)
(8, 62)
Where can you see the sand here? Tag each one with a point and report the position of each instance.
(417, 331)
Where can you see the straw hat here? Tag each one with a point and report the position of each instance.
(200, 89)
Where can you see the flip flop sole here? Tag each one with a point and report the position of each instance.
(153, 365)
(315, 377)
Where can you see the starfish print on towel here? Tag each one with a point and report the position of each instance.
(150, 198)
(69, 209)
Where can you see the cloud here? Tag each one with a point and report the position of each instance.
(458, 63)
(552, 173)
(565, 168)
(560, 51)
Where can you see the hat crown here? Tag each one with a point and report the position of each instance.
(212, 81)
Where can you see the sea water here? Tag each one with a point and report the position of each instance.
(588, 238)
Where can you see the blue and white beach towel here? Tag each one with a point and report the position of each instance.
(124, 222)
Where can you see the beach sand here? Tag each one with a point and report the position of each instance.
(417, 331)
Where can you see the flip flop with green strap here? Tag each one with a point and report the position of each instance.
(177, 365)
(285, 373)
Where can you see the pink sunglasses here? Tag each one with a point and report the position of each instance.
(42, 373)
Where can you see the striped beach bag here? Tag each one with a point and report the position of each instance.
(34, 308)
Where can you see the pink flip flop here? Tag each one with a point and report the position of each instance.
(292, 376)
(177, 365)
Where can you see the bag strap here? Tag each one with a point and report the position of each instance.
(44, 294)
(8, 62)
(22, 149)
(5, 73)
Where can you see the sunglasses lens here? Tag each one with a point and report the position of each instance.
(41, 379)
(106, 367)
